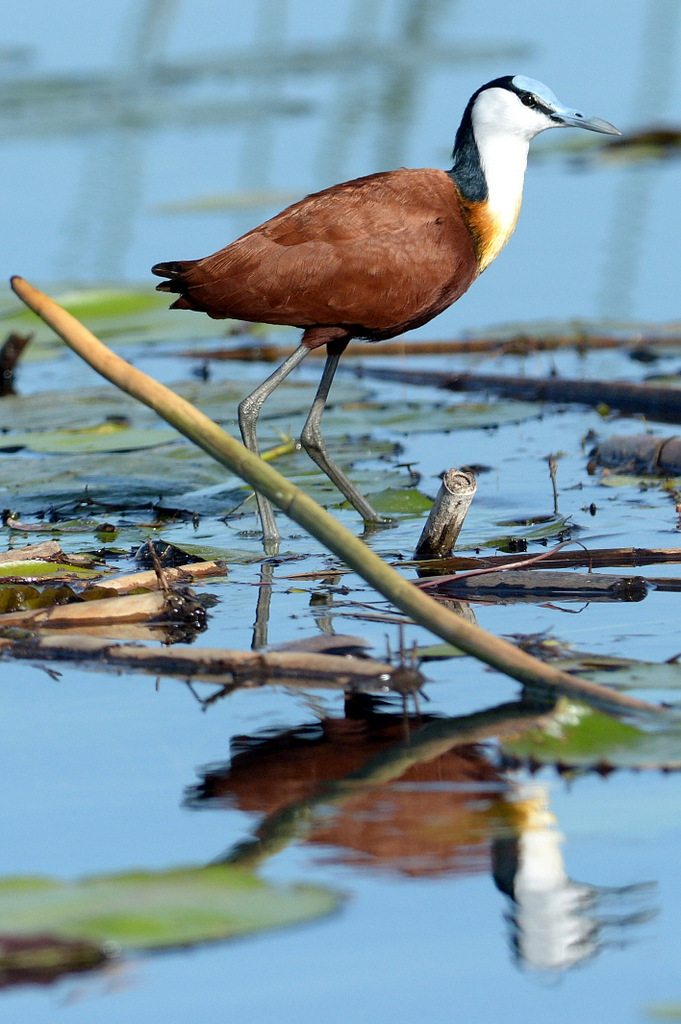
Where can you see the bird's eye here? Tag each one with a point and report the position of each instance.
(528, 100)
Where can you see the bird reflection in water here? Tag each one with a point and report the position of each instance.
(433, 806)
(554, 922)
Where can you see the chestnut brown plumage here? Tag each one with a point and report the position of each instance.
(370, 258)
(374, 257)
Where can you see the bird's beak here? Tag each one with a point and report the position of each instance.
(573, 119)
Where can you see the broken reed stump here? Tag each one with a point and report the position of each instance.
(443, 526)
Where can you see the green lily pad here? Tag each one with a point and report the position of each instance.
(145, 910)
(659, 682)
(404, 501)
(106, 437)
(639, 482)
(88, 407)
(544, 527)
(123, 479)
(424, 416)
(579, 737)
(47, 570)
(438, 652)
(626, 674)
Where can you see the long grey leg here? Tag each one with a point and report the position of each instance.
(313, 442)
(249, 410)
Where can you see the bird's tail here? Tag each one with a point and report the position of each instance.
(178, 274)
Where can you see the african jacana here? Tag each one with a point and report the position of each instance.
(377, 256)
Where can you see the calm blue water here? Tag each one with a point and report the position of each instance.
(81, 192)
(96, 766)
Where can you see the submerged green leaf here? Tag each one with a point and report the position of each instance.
(664, 1011)
(641, 483)
(145, 910)
(124, 313)
(217, 202)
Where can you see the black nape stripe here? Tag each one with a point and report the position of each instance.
(467, 171)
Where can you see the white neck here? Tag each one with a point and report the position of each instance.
(503, 129)
(503, 159)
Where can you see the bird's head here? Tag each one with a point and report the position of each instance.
(523, 107)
